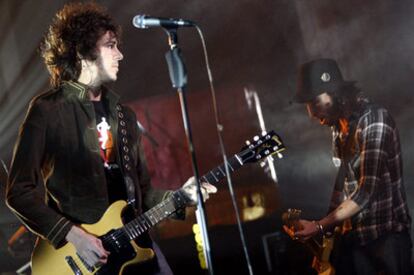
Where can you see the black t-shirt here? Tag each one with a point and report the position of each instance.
(108, 151)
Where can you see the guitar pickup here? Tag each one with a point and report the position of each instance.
(75, 268)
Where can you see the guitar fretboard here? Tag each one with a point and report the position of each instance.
(215, 175)
(176, 201)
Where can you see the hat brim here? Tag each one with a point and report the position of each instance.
(328, 87)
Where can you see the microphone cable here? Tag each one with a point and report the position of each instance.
(220, 129)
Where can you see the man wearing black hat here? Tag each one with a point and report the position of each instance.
(369, 191)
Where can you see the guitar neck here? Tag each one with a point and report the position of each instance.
(216, 174)
(174, 202)
(147, 220)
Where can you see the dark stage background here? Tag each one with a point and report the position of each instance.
(254, 45)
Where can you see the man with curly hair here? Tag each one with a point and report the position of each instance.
(81, 144)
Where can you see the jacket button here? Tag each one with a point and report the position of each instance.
(128, 167)
(125, 148)
(123, 131)
(126, 157)
(120, 115)
(125, 140)
(118, 107)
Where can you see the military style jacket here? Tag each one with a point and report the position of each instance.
(57, 178)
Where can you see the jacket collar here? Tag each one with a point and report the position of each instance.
(73, 88)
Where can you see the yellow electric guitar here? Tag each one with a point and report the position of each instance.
(321, 250)
(118, 238)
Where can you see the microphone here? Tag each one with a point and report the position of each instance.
(146, 21)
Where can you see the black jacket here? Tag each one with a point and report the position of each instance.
(58, 148)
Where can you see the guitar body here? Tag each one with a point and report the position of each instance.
(46, 260)
(321, 262)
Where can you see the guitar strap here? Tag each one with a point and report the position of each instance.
(343, 150)
(346, 181)
(125, 156)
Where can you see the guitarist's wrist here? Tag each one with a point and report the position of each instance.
(73, 234)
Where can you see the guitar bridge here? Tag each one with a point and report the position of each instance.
(88, 267)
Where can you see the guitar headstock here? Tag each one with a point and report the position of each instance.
(261, 147)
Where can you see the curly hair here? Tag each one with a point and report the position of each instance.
(73, 36)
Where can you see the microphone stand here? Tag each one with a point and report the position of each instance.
(178, 78)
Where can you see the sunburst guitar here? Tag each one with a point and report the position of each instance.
(118, 238)
(321, 249)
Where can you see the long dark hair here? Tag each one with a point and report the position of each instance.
(348, 97)
(72, 36)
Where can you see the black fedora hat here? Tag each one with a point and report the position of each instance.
(317, 77)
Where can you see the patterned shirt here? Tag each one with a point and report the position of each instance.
(371, 174)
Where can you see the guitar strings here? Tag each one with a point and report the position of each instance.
(137, 223)
(121, 231)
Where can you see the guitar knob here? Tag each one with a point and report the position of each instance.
(247, 142)
(264, 133)
(262, 164)
(279, 155)
(256, 138)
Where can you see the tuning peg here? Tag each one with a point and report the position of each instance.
(264, 133)
(275, 148)
(256, 138)
(247, 142)
(279, 155)
(262, 164)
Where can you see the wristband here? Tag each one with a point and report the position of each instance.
(319, 226)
